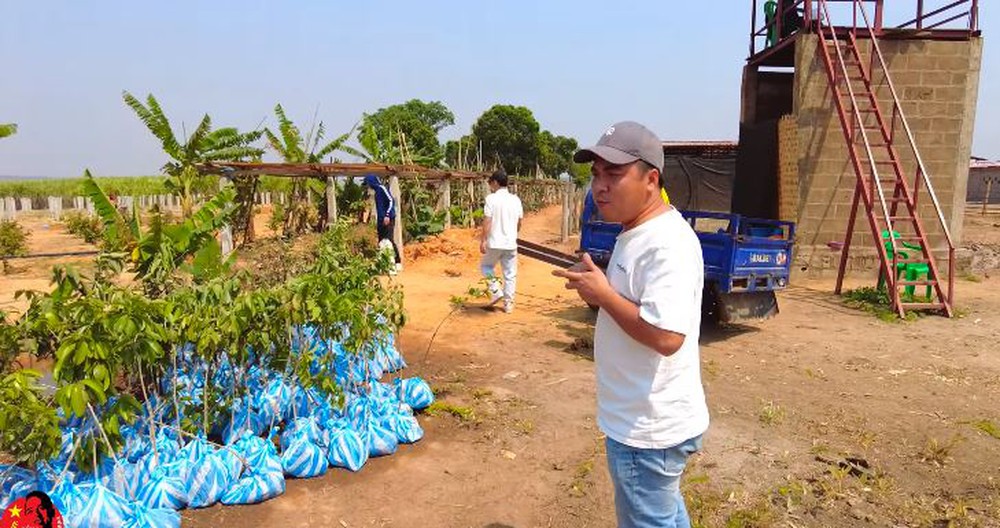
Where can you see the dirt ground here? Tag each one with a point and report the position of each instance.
(822, 416)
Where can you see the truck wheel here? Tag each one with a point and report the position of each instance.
(709, 305)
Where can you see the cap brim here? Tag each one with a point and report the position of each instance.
(608, 154)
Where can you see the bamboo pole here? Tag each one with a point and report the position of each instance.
(331, 201)
(446, 198)
(564, 231)
(471, 191)
(397, 232)
(226, 235)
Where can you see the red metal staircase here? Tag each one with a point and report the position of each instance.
(880, 145)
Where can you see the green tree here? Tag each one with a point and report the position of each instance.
(555, 153)
(411, 128)
(462, 153)
(203, 145)
(7, 129)
(509, 138)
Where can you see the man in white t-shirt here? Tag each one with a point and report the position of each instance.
(498, 239)
(650, 400)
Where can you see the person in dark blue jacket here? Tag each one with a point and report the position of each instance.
(385, 210)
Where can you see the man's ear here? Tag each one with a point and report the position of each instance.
(653, 176)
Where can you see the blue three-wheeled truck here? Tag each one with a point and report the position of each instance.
(746, 259)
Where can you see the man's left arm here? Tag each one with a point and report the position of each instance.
(629, 317)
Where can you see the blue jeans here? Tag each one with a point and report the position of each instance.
(647, 484)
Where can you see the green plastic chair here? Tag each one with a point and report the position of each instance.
(770, 8)
(910, 270)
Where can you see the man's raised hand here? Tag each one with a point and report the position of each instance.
(588, 280)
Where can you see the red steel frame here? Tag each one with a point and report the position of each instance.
(924, 20)
(869, 184)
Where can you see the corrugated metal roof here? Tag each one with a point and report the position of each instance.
(977, 164)
(699, 144)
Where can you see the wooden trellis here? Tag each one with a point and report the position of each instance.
(534, 193)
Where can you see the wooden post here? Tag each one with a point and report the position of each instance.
(986, 196)
(397, 232)
(471, 190)
(331, 201)
(486, 189)
(565, 211)
(226, 235)
(446, 200)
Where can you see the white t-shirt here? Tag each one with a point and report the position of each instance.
(645, 399)
(504, 210)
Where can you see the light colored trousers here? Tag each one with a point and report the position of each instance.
(508, 263)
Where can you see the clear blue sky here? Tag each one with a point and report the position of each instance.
(579, 65)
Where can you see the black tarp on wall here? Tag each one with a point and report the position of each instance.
(698, 182)
(755, 191)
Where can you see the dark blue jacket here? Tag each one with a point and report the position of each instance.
(385, 206)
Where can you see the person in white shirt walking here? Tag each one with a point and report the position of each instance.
(498, 239)
(650, 400)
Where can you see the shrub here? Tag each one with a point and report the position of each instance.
(83, 225)
(13, 241)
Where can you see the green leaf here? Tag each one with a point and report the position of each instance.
(207, 262)
(97, 389)
(113, 426)
(100, 373)
(102, 205)
(78, 400)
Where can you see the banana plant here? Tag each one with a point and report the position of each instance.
(379, 149)
(203, 145)
(292, 147)
(157, 253)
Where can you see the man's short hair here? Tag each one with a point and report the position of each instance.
(645, 166)
(500, 177)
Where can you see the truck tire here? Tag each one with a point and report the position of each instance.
(709, 305)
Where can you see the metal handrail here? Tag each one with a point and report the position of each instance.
(919, 21)
(898, 111)
(824, 9)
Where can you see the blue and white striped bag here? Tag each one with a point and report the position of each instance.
(208, 480)
(143, 517)
(261, 483)
(303, 458)
(347, 449)
(69, 500)
(406, 428)
(104, 508)
(414, 392)
(163, 491)
(381, 441)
